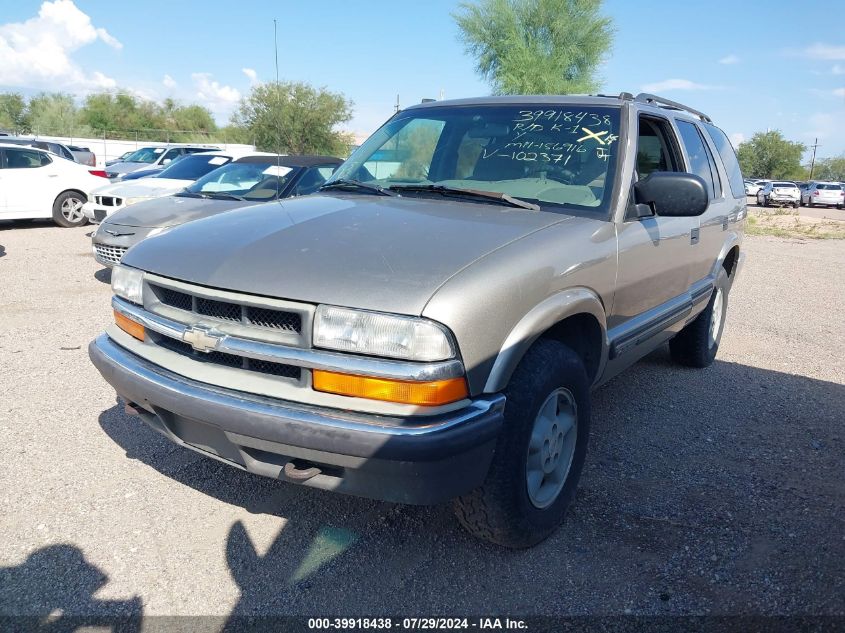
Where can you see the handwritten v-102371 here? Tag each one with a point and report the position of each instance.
(553, 136)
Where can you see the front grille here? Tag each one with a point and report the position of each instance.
(227, 311)
(174, 298)
(220, 309)
(108, 201)
(228, 360)
(110, 254)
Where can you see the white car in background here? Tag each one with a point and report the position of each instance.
(152, 157)
(38, 184)
(172, 179)
(779, 192)
(753, 186)
(829, 194)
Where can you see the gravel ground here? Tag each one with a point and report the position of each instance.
(706, 492)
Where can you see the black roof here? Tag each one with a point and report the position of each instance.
(294, 160)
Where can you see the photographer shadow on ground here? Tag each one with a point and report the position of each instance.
(53, 590)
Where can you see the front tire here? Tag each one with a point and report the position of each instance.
(539, 454)
(696, 345)
(67, 209)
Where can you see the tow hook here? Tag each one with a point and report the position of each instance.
(294, 472)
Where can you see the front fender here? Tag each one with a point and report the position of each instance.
(538, 320)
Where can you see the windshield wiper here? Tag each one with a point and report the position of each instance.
(224, 194)
(493, 196)
(344, 183)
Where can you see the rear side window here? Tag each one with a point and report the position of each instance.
(728, 155)
(25, 159)
(698, 157)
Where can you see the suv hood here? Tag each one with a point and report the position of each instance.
(172, 211)
(378, 253)
(144, 188)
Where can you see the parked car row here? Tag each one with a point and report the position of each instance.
(245, 181)
(152, 157)
(75, 153)
(795, 194)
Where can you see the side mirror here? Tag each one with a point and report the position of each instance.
(672, 194)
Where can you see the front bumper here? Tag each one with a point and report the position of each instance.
(98, 213)
(418, 460)
(782, 198)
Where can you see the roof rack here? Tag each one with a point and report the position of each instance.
(625, 96)
(645, 97)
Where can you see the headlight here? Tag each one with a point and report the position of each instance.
(128, 283)
(378, 334)
(128, 201)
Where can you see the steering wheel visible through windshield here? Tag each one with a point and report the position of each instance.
(551, 155)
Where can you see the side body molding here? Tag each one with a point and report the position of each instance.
(540, 318)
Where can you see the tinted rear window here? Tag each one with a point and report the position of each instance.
(728, 155)
(828, 187)
(783, 184)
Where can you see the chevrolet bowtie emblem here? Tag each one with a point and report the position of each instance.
(201, 338)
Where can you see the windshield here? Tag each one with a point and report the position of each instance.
(193, 166)
(145, 155)
(250, 181)
(555, 156)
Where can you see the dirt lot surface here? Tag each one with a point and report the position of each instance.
(802, 223)
(716, 491)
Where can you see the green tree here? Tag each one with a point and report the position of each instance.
(295, 118)
(52, 114)
(13, 113)
(829, 169)
(121, 113)
(536, 46)
(770, 155)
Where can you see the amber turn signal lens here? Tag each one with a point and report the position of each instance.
(427, 394)
(132, 328)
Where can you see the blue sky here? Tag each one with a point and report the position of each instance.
(749, 71)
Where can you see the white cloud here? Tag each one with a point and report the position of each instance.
(824, 51)
(169, 82)
(37, 53)
(253, 76)
(837, 70)
(839, 92)
(218, 98)
(729, 59)
(676, 84)
(211, 90)
(108, 38)
(736, 139)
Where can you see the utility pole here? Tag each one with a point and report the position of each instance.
(813, 161)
